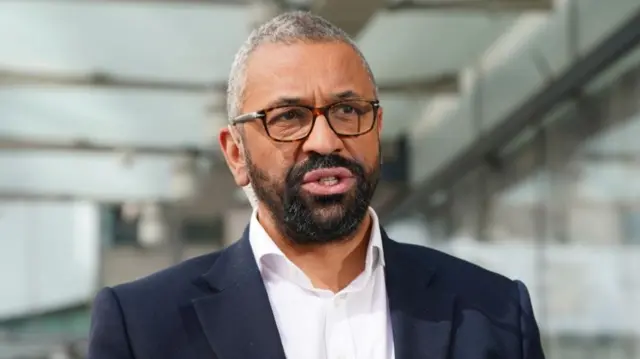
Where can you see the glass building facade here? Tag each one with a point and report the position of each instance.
(559, 207)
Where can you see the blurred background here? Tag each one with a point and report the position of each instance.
(510, 140)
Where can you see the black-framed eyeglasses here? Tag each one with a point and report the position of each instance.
(289, 123)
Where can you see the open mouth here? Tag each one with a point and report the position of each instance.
(328, 181)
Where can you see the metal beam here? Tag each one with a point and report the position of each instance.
(351, 16)
(533, 112)
(630, 159)
(20, 196)
(20, 144)
(445, 83)
(473, 5)
(442, 84)
(203, 2)
(439, 5)
(8, 195)
(18, 77)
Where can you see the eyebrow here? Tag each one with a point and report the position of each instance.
(285, 101)
(346, 95)
(292, 101)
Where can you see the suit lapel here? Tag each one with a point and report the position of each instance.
(238, 322)
(237, 319)
(421, 316)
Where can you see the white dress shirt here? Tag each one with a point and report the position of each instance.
(319, 324)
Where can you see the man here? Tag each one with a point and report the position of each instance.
(314, 276)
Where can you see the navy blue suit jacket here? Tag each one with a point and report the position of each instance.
(216, 306)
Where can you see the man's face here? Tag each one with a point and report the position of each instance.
(317, 189)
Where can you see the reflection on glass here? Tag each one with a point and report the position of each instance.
(561, 211)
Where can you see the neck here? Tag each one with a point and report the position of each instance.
(330, 266)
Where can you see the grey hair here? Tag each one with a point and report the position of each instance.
(286, 28)
(251, 195)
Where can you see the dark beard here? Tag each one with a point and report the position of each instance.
(308, 219)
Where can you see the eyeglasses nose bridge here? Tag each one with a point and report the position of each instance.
(318, 112)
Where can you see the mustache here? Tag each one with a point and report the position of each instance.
(317, 161)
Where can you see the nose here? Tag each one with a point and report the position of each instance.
(322, 138)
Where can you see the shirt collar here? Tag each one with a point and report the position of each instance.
(264, 247)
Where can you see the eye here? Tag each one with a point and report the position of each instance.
(346, 109)
(350, 110)
(288, 114)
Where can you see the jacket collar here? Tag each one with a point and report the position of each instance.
(238, 322)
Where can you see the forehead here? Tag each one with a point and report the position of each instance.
(311, 71)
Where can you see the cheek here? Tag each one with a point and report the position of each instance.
(364, 150)
(272, 160)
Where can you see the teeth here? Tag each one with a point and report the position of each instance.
(328, 181)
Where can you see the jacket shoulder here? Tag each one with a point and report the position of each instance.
(477, 286)
(171, 283)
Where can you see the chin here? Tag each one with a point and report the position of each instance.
(326, 214)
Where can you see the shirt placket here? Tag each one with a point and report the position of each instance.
(339, 335)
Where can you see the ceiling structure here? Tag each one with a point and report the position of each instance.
(84, 84)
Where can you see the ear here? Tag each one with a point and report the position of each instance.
(233, 151)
